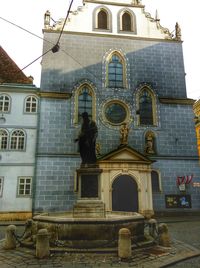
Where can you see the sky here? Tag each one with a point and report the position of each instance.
(24, 47)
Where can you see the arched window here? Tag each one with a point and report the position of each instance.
(84, 102)
(126, 22)
(31, 104)
(102, 19)
(155, 181)
(17, 140)
(115, 72)
(4, 103)
(145, 108)
(3, 139)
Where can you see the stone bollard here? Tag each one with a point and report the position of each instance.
(42, 244)
(124, 243)
(163, 235)
(10, 240)
(152, 227)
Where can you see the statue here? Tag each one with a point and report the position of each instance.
(124, 130)
(149, 144)
(178, 32)
(87, 140)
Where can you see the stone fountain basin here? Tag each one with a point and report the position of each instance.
(91, 232)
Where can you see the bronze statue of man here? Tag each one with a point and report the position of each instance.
(87, 140)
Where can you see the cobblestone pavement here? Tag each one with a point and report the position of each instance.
(186, 244)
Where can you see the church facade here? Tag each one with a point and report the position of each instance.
(121, 66)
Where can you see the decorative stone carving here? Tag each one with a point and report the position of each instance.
(178, 32)
(10, 240)
(149, 144)
(124, 131)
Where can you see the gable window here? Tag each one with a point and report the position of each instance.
(3, 139)
(155, 181)
(1, 186)
(115, 72)
(4, 103)
(126, 22)
(102, 20)
(31, 104)
(17, 140)
(24, 186)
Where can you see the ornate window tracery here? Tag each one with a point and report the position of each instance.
(17, 140)
(84, 101)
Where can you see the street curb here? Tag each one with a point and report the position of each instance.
(181, 259)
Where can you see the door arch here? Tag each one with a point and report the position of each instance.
(125, 194)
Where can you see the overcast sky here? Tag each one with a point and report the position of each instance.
(24, 48)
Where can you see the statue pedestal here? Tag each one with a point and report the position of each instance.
(89, 204)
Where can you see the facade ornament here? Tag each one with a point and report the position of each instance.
(124, 131)
(47, 18)
(149, 144)
(177, 32)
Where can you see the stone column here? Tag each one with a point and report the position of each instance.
(10, 240)
(42, 244)
(124, 243)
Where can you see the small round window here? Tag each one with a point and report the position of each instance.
(115, 113)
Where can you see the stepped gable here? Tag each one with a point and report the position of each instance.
(10, 72)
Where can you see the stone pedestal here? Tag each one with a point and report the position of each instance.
(89, 204)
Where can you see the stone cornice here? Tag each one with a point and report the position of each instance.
(18, 88)
(177, 101)
(110, 35)
(54, 95)
(113, 3)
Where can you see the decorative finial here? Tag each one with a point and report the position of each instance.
(177, 32)
(47, 18)
(157, 16)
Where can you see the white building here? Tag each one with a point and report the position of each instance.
(18, 131)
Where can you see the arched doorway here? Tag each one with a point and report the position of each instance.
(124, 194)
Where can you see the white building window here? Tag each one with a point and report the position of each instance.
(1, 186)
(17, 140)
(4, 103)
(3, 139)
(24, 186)
(31, 104)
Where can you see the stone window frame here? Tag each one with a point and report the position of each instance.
(76, 92)
(3, 101)
(133, 21)
(95, 19)
(154, 105)
(1, 185)
(33, 100)
(23, 185)
(159, 190)
(124, 64)
(1, 142)
(121, 102)
(17, 138)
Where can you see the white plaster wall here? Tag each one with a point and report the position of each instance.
(9, 200)
(82, 21)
